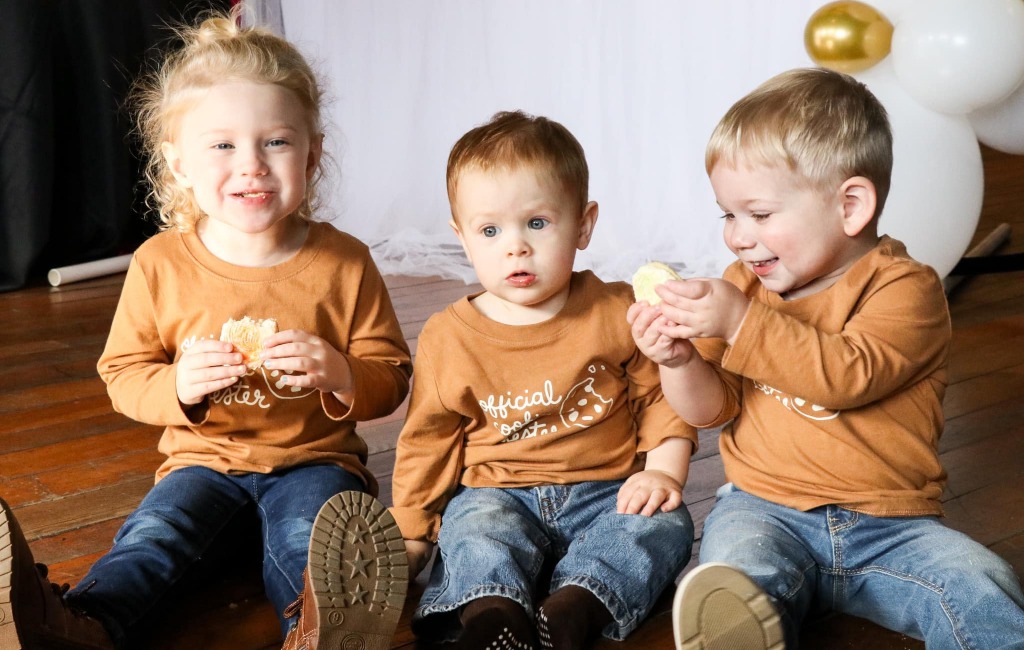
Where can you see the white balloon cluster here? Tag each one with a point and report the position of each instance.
(937, 175)
(966, 57)
(954, 76)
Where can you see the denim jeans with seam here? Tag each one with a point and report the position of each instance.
(180, 517)
(496, 541)
(909, 574)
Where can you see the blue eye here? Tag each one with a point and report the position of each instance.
(277, 142)
(537, 223)
(490, 231)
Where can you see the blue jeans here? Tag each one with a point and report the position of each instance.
(909, 574)
(496, 541)
(181, 516)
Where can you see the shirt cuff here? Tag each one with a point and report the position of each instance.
(416, 523)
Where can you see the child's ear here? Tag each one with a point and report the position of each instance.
(316, 149)
(173, 160)
(458, 233)
(859, 203)
(587, 221)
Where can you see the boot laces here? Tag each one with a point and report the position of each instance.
(294, 608)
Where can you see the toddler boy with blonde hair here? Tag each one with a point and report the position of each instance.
(826, 347)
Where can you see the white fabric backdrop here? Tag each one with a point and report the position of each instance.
(641, 85)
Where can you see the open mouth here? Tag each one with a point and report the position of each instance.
(251, 195)
(521, 279)
(763, 267)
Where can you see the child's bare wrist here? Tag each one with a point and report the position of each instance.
(666, 473)
(681, 363)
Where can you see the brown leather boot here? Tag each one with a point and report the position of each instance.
(33, 614)
(355, 580)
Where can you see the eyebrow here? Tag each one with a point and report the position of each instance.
(746, 203)
(229, 130)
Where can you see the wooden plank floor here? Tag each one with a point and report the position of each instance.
(73, 469)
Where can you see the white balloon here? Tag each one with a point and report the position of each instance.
(1001, 126)
(893, 10)
(956, 56)
(937, 178)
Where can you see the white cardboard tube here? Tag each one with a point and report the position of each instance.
(88, 270)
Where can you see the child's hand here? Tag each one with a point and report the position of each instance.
(647, 492)
(418, 552)
(320, 364)
(702, 308)
(646, 324)
(204, 368)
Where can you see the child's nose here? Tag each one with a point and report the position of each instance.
(737, 235)
(518, 246)
(252, 162)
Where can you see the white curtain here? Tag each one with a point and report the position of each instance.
(266, 13)
(641, 85)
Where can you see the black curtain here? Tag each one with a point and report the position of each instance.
(69, 172)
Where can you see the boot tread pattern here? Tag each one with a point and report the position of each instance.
(717, 607)
(8, 633)
(359, 572)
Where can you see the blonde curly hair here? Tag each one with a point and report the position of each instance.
(216, 50)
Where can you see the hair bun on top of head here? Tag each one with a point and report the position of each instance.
(216, 28)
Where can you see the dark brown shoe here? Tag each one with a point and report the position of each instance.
(355, 581)
(33, 614)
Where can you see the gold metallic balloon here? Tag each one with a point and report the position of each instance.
(847, 36)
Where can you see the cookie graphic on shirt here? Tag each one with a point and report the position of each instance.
(583, 406)
(812, 411)
(798, 404)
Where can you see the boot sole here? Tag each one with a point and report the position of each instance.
(717, 607)
(8, 631)
(358, 571)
